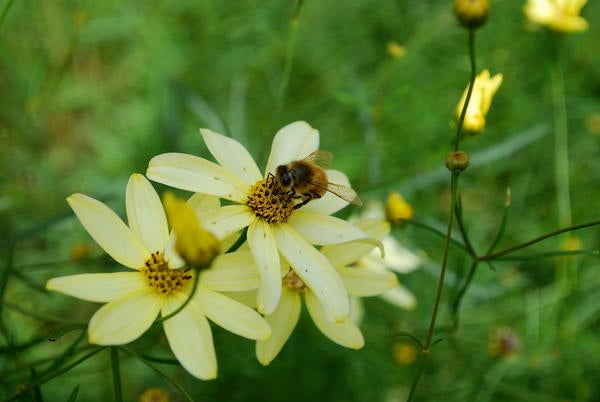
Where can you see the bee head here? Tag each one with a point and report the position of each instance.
(284, 176)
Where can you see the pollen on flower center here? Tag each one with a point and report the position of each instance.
(293, 282)
(161, 278)
(269, 201)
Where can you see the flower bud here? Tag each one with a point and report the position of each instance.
(397, 209)
(457, 161)
(471, 13)
(197, 246)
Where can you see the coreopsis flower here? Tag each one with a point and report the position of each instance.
(159, 284)
(481, 99)
(360, 282)
(275, 223)
(558, 15)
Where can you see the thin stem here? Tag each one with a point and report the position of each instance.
(463, 230)
(57, 373)
(536, 240)
(116, 371)
(440, 286)
(561, 143)
(463, 112)
(435, 231)
(461, 293)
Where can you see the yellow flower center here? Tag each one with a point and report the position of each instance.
(293, 282)
(161, 278)
(269, 201)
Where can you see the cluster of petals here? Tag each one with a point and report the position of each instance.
(558, 15)
(292, 240)
(132, 305)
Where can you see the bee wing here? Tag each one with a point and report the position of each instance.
(345, 193)
(320, 158)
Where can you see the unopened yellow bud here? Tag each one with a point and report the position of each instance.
(483, 92)
(471, 13)
(197, 246)
(397, 208)
(457, 161)
(395, 50)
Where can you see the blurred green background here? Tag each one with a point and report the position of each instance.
(90, 91)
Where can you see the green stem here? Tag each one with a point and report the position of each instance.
(116, 371)
(440, 286)
(561, 144)
(461, 293)
(463, 112)
(45, 379)
(536, 240)
(434, 230)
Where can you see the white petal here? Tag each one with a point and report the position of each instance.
(193, 173)
(101, 288)
(398, 258)
(322, 229)
(329, 203)
(293, 142)
(232, 315)
(227, 220)
(232, 155)
(145, 213)
(401, 297)
(266, 257)
(109, 231)
(357, 310)
(283, 320)
(124, 320)
(247, 297)
(190, 338)
(314, 270)
(232, 272)
(364, 282)
(344, 333)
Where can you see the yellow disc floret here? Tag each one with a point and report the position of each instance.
(269, 201)
(161, 278)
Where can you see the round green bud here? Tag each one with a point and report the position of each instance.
(457, 161)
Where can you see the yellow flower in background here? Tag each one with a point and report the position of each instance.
(395, 50)
(159, 283)
(276, 227)
(558, 15)
(197, 246)
(481, 99)
(397, 208)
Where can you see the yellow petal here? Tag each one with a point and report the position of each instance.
(109, 231)
(101, 288)
(124, 320)
(190, 338)
(283, 320)
(344, 333)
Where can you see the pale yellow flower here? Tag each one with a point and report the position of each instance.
(397, 208)
(275, 227)
(159, 283)
(480, 101)
(360, 282)
(558, 15)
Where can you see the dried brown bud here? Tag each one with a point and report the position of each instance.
(457, 161)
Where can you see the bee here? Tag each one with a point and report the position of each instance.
(306, 179)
